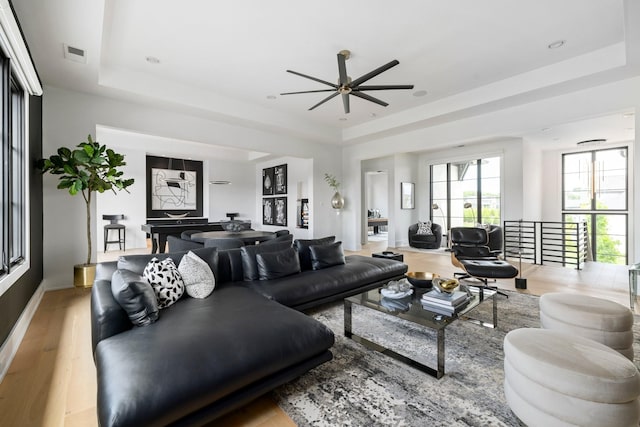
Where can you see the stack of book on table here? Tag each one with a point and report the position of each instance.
(443, 302)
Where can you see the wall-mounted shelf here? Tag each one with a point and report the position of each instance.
(303, 213)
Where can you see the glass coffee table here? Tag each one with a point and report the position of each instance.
(411, 309)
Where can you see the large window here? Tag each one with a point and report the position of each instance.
(466, 193)
(594, 188)
(13, 175)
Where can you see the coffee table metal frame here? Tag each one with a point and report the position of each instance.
(418, 315)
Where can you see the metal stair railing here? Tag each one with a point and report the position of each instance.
(543, 242)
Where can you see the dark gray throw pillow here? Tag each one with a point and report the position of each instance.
(302, 246)
(249, 263)
(273, 265)
(136, 297)
(323, 256)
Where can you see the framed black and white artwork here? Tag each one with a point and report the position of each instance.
(267, 182)
(280, 173)
(267, 211)
(280, 211)
(174, 187)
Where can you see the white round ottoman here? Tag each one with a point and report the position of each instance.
(552, 378)
(601, 320)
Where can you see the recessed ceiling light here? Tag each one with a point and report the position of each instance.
(556, 44)
(420, 93)
(271, 97)
(627, 115)
(152, 60)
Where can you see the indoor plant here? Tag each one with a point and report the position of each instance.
(88, 168)
(337, 201)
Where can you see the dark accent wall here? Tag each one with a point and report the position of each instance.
(16, 298)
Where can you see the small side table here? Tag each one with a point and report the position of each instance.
(634, 271)
(389, 255)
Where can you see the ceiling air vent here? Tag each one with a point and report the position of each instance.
(75, 54)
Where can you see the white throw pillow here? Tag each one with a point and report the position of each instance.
(424, 227)
(197, 276)
(165, 281)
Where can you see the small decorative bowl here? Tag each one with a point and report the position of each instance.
(232, 226)
(421, 279)
(446, 285)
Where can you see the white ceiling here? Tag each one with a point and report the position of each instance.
(224, 59)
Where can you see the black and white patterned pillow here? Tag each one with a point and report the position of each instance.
(165, 280)
(424, 227)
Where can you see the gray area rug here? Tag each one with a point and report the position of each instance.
(361, 387)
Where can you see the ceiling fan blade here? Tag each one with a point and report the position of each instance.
(369, 98)
(324, 100)
(384, 87)
(313, 78)
(342, 70)
(345, 102)
(308, 91)
(373, 73)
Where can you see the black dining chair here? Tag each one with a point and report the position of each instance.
(223, 243)
(114, 225)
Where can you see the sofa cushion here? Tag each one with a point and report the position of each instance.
(273, 265)
(302, 246)
(198, 278)
(323, 256)
(249, 262)
(136, 296)
(304, 289)
(199, 352)
(137, 263)
(165, 280)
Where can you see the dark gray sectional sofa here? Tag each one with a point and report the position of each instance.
(205, 357)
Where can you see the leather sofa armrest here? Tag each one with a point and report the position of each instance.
(107, 317)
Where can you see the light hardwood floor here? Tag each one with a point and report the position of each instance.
(52, 380)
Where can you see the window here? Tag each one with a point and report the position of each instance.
(594, 189)
(13, 159)
(465, 193)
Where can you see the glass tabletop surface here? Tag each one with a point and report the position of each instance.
(410, 308)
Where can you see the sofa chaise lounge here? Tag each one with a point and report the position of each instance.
(205, 357)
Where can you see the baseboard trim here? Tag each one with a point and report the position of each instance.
(12, 343)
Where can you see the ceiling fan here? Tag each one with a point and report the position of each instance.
(346, 86)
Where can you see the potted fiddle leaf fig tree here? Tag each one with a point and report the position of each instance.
(88, 168)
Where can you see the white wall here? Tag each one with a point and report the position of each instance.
(533, 170)
(300, 184)
(69, 116)
(378, 193)
(217, 199)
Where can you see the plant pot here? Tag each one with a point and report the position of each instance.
(337, 202)
(84, 275)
